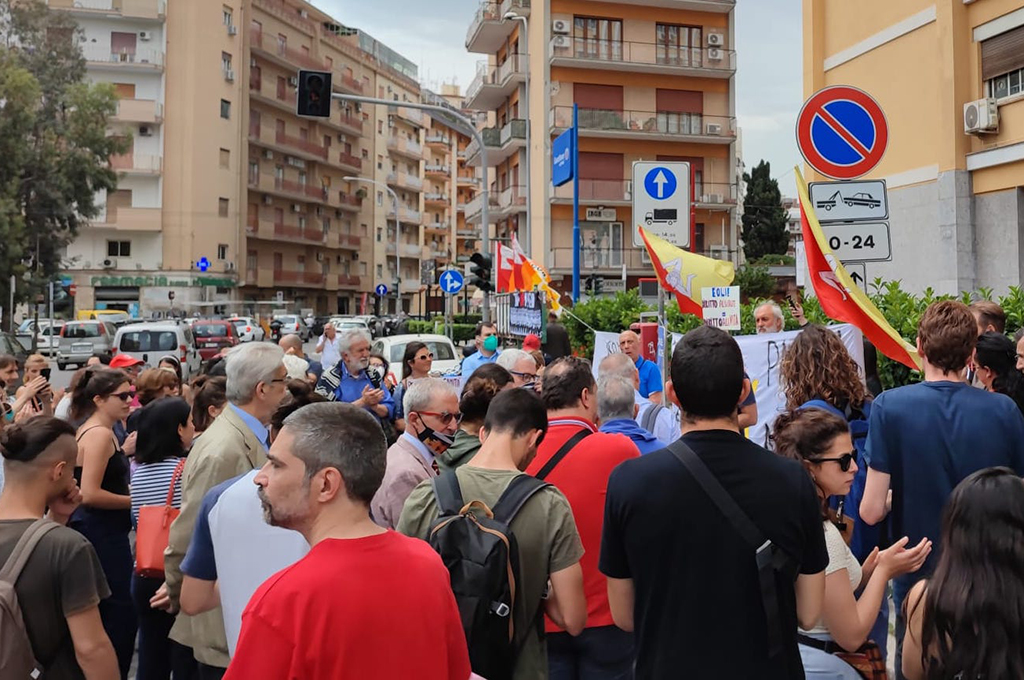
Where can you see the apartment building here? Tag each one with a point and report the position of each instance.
(652, 80)
(948, 76)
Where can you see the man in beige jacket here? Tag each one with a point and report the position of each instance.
(234, 444)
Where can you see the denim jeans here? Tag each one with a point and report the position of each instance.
(600, 653)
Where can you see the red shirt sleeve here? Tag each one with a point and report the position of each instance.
(263, 651)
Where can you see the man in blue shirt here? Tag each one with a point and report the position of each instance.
(487, 352)
(663, 422)
(616, 408)
(349, 381)
(650, 376)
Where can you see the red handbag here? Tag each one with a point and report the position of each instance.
(154, 525)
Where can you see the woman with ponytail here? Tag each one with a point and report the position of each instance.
(995, 364)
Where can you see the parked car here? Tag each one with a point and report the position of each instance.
(293, 323)
(247, 328)
(47, 335)
(344, 323)
(149, 341)
(79, 340)
(114, 316)
(213, 336)
(393, 349)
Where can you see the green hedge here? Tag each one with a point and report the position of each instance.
(461, 332)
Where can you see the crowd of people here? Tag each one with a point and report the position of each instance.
(288, 516)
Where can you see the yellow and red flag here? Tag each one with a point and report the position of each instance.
(517, 272)
(685, 273)
(841, 298)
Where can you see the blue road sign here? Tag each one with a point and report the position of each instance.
(381, 290)
(203, 264)
(561, 158)
(451, 281)
(660, 183)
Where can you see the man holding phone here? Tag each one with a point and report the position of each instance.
(35, 391)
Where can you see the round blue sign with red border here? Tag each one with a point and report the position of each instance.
(841, 132)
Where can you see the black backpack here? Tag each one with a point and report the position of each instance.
(482, 556)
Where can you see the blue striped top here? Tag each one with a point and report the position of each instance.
(149, 485)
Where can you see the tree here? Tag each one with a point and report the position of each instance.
(54, 146)
(764, 218)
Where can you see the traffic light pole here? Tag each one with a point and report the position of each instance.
(467, 127)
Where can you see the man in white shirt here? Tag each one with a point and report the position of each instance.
(665, 421)
(327, 347)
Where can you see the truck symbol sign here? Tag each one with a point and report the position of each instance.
(664, 216)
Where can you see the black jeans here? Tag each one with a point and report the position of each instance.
(154, 627)
(600, 653)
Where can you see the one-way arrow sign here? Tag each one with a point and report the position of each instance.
(858, 272)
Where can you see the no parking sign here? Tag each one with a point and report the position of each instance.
(842, 132)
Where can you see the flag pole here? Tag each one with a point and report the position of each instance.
(575, 204)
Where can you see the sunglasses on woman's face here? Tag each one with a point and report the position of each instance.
(124, 396)
(845, 460)
(424, 357)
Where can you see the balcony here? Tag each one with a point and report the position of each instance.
(304, 145)
(500, 143)
(137, 164)
(300, 278)
(287, 14)
(154, 10)
(139, 111)
(436, 226)
(293, 232)
(596, 192)
(714, 6)
(467, 181)
(467, 232)
(436, 199)
(494, 84)
(405, 181)
(351, 123)
(408, 215)
(348, 241)
(130, 219)
(349, 201)
(511, 200)
(415, 117)
(348, 83)
(410, 250)
(437, 169)
(487, 32)
(405, 147)
(348, 280)
(437, 141)
(609, 258)
(714, 196)
(653, 125)
(280, 53)
(350, 162)
(141, 60)
(474, 208)
(642, 57)
(301, 189)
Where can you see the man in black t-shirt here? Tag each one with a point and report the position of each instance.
(679, 574)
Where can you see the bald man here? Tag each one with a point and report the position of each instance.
(297, 366)
(650, 376)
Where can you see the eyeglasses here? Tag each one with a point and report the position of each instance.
(124, 396)
(425, 357)
(845, 460)
(526, 377)
(445, 417)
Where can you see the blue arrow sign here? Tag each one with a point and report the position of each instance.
(660, 183)
(203, 264)
(451, 281)
(381, 290)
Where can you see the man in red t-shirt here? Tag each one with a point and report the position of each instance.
(570, 395)
(365, 602)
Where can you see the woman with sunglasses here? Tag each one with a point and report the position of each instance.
(101, 400)
(416, 364)
(821, 441)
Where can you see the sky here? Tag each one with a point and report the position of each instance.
(769, 89)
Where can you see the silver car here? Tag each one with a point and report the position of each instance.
(79, 340)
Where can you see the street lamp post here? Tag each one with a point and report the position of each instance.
(398, 250)
(512, 16)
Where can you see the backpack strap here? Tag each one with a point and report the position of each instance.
(447, 493)
(515, 496)
(562, 452)
(23, 549)
(651, 417)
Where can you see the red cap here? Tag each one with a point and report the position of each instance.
(124, 361)
(531, 342)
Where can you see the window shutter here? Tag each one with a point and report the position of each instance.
(1003, 53)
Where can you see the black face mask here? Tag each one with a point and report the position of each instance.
(436, 442)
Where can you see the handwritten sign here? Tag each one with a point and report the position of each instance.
(721, 306)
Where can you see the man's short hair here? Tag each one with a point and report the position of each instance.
(510, 357)
(349, 338)
(482, 325)
(564, 381)
(617, 365)
(776, 310)
(616, 398)
(344, 437)
(707, 373)
(246, 366)
(989, 314)
(948, 333)
(517, 412)
(421, 393)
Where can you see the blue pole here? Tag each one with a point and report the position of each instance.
(575, 204)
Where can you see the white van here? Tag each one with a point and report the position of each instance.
(150, 341)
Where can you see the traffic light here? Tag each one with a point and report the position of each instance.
(314, 94)
(598, 285)
(482, 272)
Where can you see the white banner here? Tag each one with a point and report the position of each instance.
(604, 344)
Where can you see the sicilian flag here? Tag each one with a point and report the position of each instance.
(841, 298)
(510, 269)
(685, 273)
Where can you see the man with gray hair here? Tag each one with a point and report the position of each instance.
(521, 365)
(234, 444)
(657, 419)
(768, 318)
(316, 619)
(349, 380)
(616, 408)
(431, 419)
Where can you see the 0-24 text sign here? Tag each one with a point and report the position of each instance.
(859, 242)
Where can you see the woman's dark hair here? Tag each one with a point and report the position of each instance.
(387, 364)
(24, 442)
(973, 617)
(300, 393)
(410, 355)
(806, 434)
(158, 430)
(481, 388)
(173, 361)
(95, 382)
(207, 392)
(997, 353)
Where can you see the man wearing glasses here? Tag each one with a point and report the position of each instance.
(521, 365)
(431, 419)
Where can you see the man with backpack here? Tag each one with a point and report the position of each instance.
(655, 418)
(539, 572)
(577, 459)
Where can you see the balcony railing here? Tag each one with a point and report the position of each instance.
(437, 169)
(513, 130)
(512, 197)
(436, 226)
(437, 139)
(349, 241)
(409, 249)
(297, 233)
(349, 200)
(597, 190)
(139, 110)
(653, 123)
(352, 123)
(348, 280)
(138, 9)
(305, 145)
(102, 54)
(137, 162)
(349, 83)
(499, 77)
(350, 161)
(623, 54)
(301, 189)
(465, 180)
(414, 116)
(304, 277)
(287, 14)
(409, 215)
(487, 11)
(434, 197)
(404, 179)
(475, 207)
(405, 146)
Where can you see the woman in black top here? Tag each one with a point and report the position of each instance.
(101, 400)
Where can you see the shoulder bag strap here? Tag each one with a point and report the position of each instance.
(23, 549)
(515, 496)
(174, 480)
(562, 452)
(447, 493)
(651, 417)
(764, 553)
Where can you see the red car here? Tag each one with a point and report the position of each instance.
(213, 336)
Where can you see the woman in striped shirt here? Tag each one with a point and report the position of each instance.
(165, 435)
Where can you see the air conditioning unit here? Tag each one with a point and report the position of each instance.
(981, 116)
(342, 138)
(296, 208)
(562, 41)
(716, 39)
(109, 263)
(714, 198)
(713, 129)
(144, 131)
(560, 27)
(229, 75)
(293, 81)
(232, 30)
(267, 200)
(715, 54)
(145, 36)
(268, 154)
(629, 190)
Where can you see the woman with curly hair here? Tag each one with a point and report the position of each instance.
(967, 620)
(485, 384)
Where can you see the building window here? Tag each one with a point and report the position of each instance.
(222, 251)
(225, 158)
(229, 17)
(679, 45)
(225, 109)
(1002, 63)
(222, 207)
(380, 162)
(225, 61)
(254, 172)
(1006, 85)
(380, 127)
(380, 198)
(380, 271)
(119, 248)
(679, 123)
(380, 234)
(597, 38)
(282, 43)
(251, 259)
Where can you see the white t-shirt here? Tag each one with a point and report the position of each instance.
(330, 355)
(839, 557)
